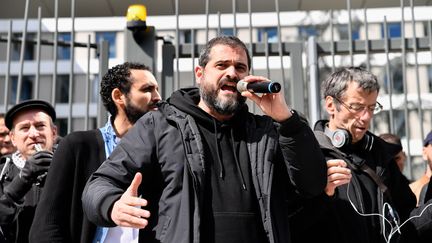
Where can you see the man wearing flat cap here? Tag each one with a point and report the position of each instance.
(33, 133)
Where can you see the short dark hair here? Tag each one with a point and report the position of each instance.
(118, 77)
(391, 138)
(227, 40)
(337, 83)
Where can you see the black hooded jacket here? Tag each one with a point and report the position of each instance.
(268, 165)
(334, 219)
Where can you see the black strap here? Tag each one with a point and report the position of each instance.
(353, 161)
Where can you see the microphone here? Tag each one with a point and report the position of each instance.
(259, 87)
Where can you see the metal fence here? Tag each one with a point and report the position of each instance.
(298, 64)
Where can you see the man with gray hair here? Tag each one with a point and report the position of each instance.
(352, 207)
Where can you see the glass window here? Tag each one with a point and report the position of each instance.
(227, 31)
(344, 31)
(111, 38)
(61, 124)
(62, 89)
(26, 88)
(272, 34)
(393, 30)
(305, 31)
(64, 51)
(28, 50)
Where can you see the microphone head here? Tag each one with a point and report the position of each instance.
(242, 86)
(274, 87)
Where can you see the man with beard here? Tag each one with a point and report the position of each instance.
(207, 169)
(6, 146)
(374, 197)
(128, 91)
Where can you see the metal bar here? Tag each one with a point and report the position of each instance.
(416, 68)
(55, 58)
(332, 50)
(314, 93)
(375, 46)
(405, 89)
(295, 50)
(87, 87)
(430, 37)
(38, 56)
(50, 43)
(368, 65)
(266, 44)
(168, 54)
(8, 63)
(279, 33)
(250, 33)
(103, 52)
(177, 57)
(193, 55)
(207, 10)
(389, 77)
(234, 11)
(24, 36)
(219, 24)
(350, 32)
(72, 60)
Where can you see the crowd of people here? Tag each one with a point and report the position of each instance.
(200, 167)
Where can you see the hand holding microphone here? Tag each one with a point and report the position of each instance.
(259, 87)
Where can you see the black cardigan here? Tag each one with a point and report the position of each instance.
(59, 216)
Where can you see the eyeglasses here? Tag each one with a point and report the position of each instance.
(357, 108)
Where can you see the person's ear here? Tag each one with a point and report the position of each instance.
(118, 97)
(199, 72)
(329, 105)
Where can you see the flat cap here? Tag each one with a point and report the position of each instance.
(29, 105)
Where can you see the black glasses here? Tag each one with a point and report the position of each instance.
(357, 108)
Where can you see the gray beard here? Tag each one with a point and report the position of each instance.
(224, 108)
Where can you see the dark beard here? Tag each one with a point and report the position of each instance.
(133, 113)
(226, 108)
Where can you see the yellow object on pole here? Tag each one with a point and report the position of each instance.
(136, 16)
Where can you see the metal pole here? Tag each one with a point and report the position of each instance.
(314, 93)
(193, 55)
(72, 60)
(234, 9)
(207, 4)
(8, 63)
(332, 41)
(177, 55)
(416, 68)
(38, 56)
(405, 89)
(103, 51)
(367, 47)
(280, 47)
(87, 88)
(389, 77)
(350, 33)
(23, 44)
(54, 75)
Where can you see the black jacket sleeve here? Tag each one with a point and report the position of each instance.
(301, 151)
(11, 194)
(114, 176)
(59, 216)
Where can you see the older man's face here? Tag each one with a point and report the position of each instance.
(6, 146)
(33, 127)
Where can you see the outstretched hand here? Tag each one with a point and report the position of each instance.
(127, 210)
(337, 175)
(273, 104)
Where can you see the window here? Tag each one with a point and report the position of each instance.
(110, 37)
(64, 51)
(28, 50)
(26, 88)
(227, 31)
(272, 34)
(344, 32)
(393, 30)
(62, 89)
